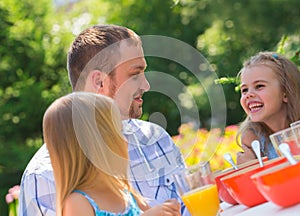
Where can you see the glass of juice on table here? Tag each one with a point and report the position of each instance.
(198, 190)
(286, 136)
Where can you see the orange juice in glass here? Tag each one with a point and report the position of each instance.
(198, 190)
(202, 201)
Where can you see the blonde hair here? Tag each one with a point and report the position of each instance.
(82, 132)
(288, 76)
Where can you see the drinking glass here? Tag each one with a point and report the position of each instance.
(294, 124)
(198, 190)
(285, 136)
(296, 129)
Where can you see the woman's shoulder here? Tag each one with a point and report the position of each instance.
(77, 204)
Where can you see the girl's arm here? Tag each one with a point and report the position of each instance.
(168, 208)
(248, 154)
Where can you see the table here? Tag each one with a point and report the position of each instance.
(264, 209)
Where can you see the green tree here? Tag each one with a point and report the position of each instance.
(225, 32)
(240, 29)
(32, 74)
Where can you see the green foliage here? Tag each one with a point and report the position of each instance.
(289, 46)
(228, 80)
(281, 48)
(32, 64)
(296, 58)
(225, 32)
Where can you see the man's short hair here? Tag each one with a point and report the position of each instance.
(96, 48)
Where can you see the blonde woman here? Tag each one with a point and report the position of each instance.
(89, 156)
(270, 96)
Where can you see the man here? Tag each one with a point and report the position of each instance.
(109, 60)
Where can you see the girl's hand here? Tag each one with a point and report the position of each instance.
(168, 208)
(245, 156)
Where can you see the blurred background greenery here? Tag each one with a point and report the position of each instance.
(35, 37)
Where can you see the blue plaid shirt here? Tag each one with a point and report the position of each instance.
(154, 158)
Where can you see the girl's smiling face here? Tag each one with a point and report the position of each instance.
(262, 97)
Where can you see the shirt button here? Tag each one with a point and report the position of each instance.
(168, 180)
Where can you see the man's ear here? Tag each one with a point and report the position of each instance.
(97, 78)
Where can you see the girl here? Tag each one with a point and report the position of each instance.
(270, 96)
(89, 156)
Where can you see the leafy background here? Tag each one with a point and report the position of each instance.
(35, 37)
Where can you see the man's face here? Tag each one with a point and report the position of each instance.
(127, 83)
